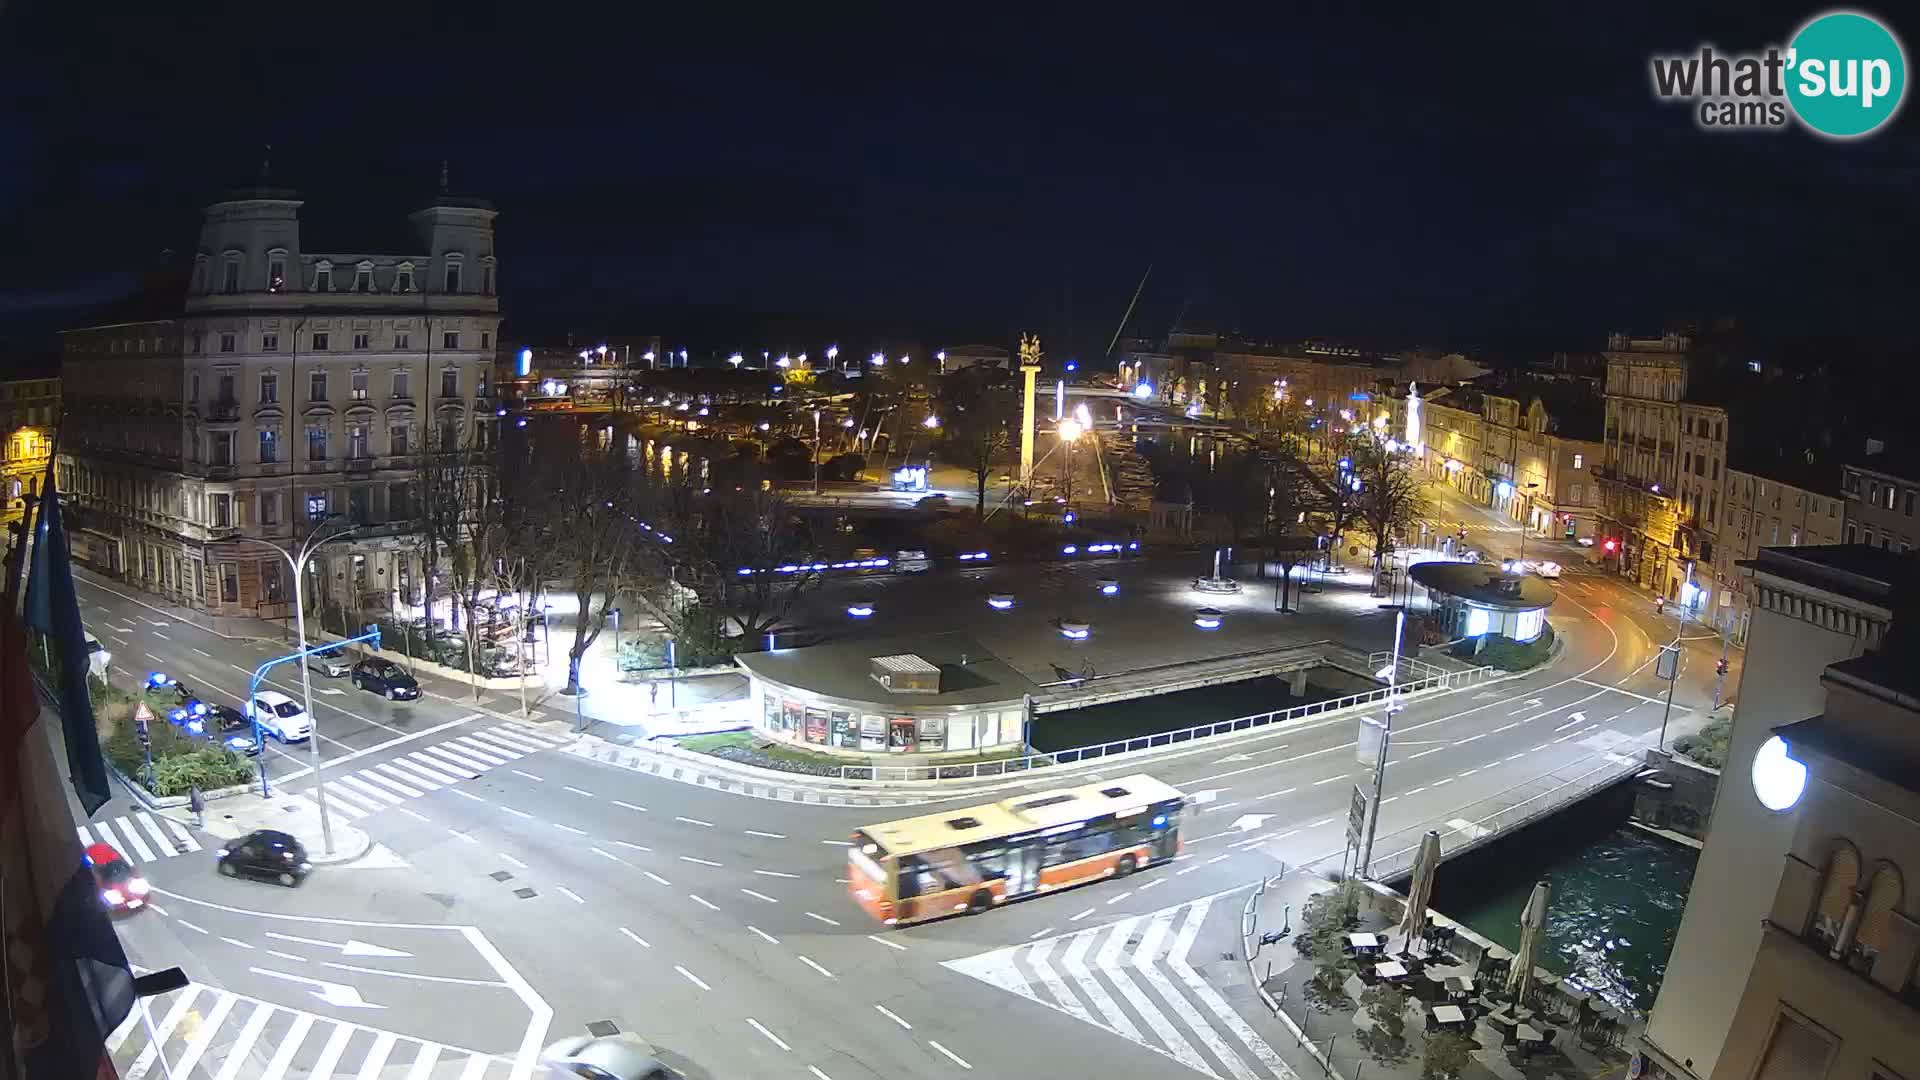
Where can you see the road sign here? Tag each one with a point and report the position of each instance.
(1669, 663)
(1369, 743)
(1356, 816)
(142, 715)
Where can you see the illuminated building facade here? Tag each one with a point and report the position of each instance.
(286, 387)
(29, 413)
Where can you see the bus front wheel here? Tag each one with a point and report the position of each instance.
(1125, 867)
(980, 902)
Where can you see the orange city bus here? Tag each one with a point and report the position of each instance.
(969, 860)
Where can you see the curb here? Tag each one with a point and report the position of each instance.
(1249, 918)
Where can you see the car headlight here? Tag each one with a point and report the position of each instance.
(306, 866)
(139, 887)
(287, 855)
(221, 854)
(113, 897)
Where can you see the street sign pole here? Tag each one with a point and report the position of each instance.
(142, 716)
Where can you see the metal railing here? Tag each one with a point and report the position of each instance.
(1442, 680)
(1503, 811)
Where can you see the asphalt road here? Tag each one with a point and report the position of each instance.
(521, 893)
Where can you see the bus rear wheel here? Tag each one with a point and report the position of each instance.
(980, 902)
(1126, 866)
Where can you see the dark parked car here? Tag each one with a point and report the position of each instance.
(383, 676)
(268, 855)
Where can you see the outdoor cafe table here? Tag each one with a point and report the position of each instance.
(1529, 1036)
(1390, 969)
(1449, 1015)
(1458, 986)
(1364, 941)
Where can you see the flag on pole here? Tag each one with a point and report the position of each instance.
(64, 980)
(54, 610)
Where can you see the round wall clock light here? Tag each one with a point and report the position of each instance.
(1778, 780)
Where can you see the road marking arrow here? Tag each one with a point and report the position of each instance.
(333, 993)
(1202, 798)
(350, 947)
(1250, 822)
(1231, 758)
(1533, 702)
(1577, 717)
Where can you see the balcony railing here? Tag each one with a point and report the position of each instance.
(359, 464)
(223, 411)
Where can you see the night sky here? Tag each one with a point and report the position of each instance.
(1486, 179)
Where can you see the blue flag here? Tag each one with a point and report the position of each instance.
(54, 610)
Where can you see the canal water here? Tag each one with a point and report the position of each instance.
(1618, 894)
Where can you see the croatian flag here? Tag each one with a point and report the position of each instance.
(66, 980)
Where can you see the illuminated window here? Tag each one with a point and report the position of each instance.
(1477, 621)
(1579, 460)
(277, 273)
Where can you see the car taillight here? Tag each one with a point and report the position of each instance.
(139, 887)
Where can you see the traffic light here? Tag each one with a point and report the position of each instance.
(1612, 546)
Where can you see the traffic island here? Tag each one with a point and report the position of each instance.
(296, 815)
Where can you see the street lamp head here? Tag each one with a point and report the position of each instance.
(1070, 429)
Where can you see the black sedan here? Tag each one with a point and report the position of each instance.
(382, 676)
(268, 855)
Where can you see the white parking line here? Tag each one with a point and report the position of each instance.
(823, 918)
(569, 828)
(570, 894)
(764, 936)
(629, 806)
(702, 862)
(695, 821)
(1082, 915)
(657, 879)
(1424, 753)
(576, 791)
(517, 813)
(956, 1058)
(775, 873)
(771, 1037)
(516, 863)
(816, 967)
(767, 835)
(636, 847)
(636, 938)
(703, 902)
(883, 941)
(691, 977)
(760, 896)
(1330, 780)
(891, 1015)
(528, 775)
(605, 854)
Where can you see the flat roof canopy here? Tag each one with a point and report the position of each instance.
(1484, 584)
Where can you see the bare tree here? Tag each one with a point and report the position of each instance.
(978, 422)
(1388, 500)
(1290, 495)
(715, 537)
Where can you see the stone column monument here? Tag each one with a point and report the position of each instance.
(1029, 375)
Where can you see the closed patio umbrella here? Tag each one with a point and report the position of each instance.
(1420, 889)
(1533, 928)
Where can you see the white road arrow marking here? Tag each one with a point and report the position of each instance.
(1533, 702)
(1228, 760)
(350, 947)
(333, 993)
(1250, 822)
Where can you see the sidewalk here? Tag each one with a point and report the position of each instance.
(296, 815)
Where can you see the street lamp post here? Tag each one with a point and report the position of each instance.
(299, 566)
(1070, 429)
(816, 451)
(1673, 674)
(1526, 519)
(1386, 739)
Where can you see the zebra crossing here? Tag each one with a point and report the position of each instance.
(140, 836)
(204, 1033)
(1141, 961)
(415, 773)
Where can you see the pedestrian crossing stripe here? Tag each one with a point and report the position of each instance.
(407, 776)
(204, 1031)
(1142, 960)
(140, 836)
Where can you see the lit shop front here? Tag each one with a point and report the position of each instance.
(919, 695)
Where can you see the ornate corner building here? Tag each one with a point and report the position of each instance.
(287, 387)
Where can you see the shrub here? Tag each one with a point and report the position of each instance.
(1446, 1055)
(1388, 1007)
(1709, 747)
(180, 761)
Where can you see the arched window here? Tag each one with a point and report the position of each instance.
(1836, 893)
(323, 276)
(1884, 892)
